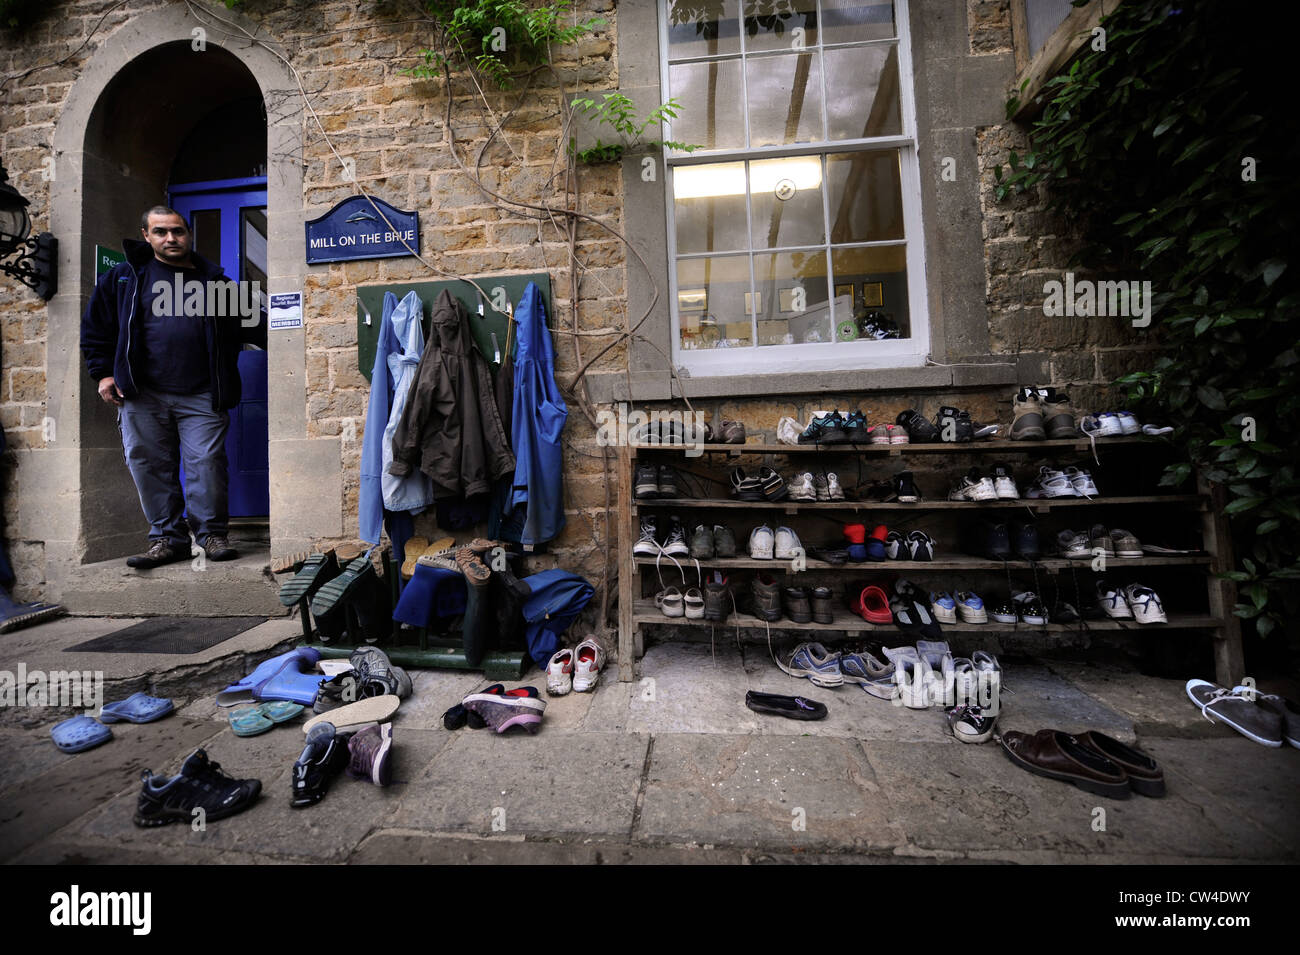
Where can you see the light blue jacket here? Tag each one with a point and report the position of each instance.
(539, 416)
(414, 491)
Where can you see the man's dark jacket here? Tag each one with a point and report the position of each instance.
(112, 329)
(451, 428)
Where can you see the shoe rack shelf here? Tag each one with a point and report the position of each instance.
(637, 612)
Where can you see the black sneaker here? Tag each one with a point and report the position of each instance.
(953, 424)
(855, 426)
(668, 482)
(919, 431)
(647, 482)
(1027, 546)
(323, 758)
(199, 785)
(905, 488)
(160, 552)
(988, 540)
(647, 545)
(674, 540)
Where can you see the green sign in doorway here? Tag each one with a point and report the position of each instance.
(106, 258)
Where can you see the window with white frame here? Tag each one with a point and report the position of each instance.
(794, 227)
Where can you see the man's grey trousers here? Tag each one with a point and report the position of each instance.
(159, 432)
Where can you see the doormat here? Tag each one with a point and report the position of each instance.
(169, 635)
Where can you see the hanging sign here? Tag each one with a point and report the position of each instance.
(354, 230)
(106, 258)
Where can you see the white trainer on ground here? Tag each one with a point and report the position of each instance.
(559, 673)
(588, 658)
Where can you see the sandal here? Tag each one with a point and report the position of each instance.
(694, 604)
(669, 602)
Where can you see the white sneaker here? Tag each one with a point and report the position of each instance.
(1052, 483)
(559, 673)
(833, 489)
(1128, 422)
(1004, 485)
(588, 658)
(787, 544)
(1111, 599)
(1082, 482)
(802, 488)
(761, 542)
(1109, 424)
(1145, 604)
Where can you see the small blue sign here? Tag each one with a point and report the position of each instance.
(354, 230)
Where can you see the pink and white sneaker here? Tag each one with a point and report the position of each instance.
(589, 659)
(559, 673)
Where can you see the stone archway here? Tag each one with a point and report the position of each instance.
(119, 131)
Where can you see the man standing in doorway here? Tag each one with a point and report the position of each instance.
(172, 371)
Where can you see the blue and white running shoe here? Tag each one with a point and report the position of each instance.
(816, 663)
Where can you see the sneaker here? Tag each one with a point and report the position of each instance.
(1145, 604)
(647, 482)
(160, 552)
(1025, 536)
(943, 607)
(787, 545)
(773, 485)
(1004, 485)
(855, 426)
(702, 543)
(989, 540)
(503, 708)
(954, 425)
(765, 593)
(1005, 611)
(905, 488)
(1128, 423)
(919, 431)
(559, 673)
(199, 785)
(975, 486)
(668, 482)
(897, 434)
(371, 750)
(868, 672)
(880, 434)
(1058, 415)
(896, 546)
(821, 488)
(1237, 708)
(920, 546)
(589, 659)
(912, 677)
(1027, 416)
(814, 661)
(744, 487)
(375, 674)
(324, 757)
(1082, 482)
(761, 542)
(675, 541)
(1126, 543)
(1112, 602)
(718, 602)
(647, 545)
(1099, 539)
(970, 724)
(825, 430)
(834, 489)
(733, 432)
(971, 607)
(805, 488)
(1073, 544)
(1287, 709)
(217, 547)
(724, 541)
(1109, 425)
(1030, 609)
(1051, 483)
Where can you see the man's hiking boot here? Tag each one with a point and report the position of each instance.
(217, 547)
(160, 552)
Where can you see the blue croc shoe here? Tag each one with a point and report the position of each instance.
(286, 672)
(80, 733)
(136, 708)
(816, 663)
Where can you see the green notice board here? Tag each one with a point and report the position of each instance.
(106, 258)
(370, 309)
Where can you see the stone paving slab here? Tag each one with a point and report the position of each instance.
(554, 782)
(753, 791)
(406, 848)
(325, 832)
(35, 807)
(1156, 706)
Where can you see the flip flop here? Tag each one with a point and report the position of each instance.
(249, 721)
(376, 709)
(247, 689)
(136, 708)
(279, 711)
(80, 733)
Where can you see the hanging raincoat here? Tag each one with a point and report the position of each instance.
(411, 492)
(538, 415)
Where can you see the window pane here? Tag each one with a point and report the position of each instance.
(711, 299)
(697, 28)
(785, 99)
(862, 92)
(848, 21)
(206, 225)
(879, 277)
(709, 94)
(771, 24)
(787, 197)
(866, 196)
(709, 207)
(792, 305)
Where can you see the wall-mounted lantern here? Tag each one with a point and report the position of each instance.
(32, 261)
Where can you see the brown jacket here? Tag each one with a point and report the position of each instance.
(451, 428)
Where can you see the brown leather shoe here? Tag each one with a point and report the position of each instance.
(1144, 773)
(160, 552)
(217, 547)
(1058, 755)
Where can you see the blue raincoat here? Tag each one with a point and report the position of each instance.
(539, 414)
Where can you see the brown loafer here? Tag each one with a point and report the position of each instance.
(1058, 755)
(1144, 773)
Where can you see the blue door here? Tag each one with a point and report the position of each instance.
(229, 222)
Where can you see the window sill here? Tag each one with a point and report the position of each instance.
(658, 386)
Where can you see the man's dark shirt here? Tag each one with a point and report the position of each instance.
(175, 345)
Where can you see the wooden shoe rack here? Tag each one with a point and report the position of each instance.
(932, 464)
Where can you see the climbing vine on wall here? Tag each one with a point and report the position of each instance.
(1172, 144)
